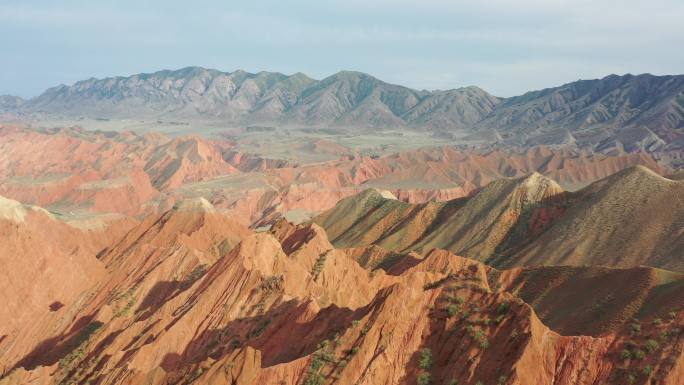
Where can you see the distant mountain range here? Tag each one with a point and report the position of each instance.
(642, 112)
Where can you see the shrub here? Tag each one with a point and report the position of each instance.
(320, 358)
(639, 354)
(453, 309)
(647, 370)
(424, 379)
(635, 329)
(503, 308)
(625, 354)
(651, 345)
(425, 361)
(479, 336)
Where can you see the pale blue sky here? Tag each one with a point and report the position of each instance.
(506, 47)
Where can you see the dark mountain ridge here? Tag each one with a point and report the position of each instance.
(615, 113)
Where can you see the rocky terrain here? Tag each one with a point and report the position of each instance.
(133, 258)
(83, 175)
(616, 113)
(191, 296)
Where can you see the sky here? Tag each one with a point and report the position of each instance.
(505, 47)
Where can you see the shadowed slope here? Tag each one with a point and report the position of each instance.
(632, 218)
(629, 219)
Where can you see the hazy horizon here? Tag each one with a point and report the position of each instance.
(504, 47)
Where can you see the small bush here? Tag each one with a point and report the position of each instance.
(651, 345)
(453, 309)
(425, 361)
(647, 370)
(625, 354)
(424, 379)
(638, 354)
(479, 336)
(503, 308)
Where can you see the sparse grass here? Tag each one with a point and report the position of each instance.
(128, 298)
(81, 341)
(318, 266)
(321, 357)
(197, 273)
(259, 328)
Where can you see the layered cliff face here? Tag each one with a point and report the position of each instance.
(287, 307)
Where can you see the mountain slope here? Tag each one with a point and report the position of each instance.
(9, 103)
(632, 218)
(475, 227)
(188, 92)
(629, 219)
(262, 314)
(616, 113)
(638, 110)
(643, 111)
